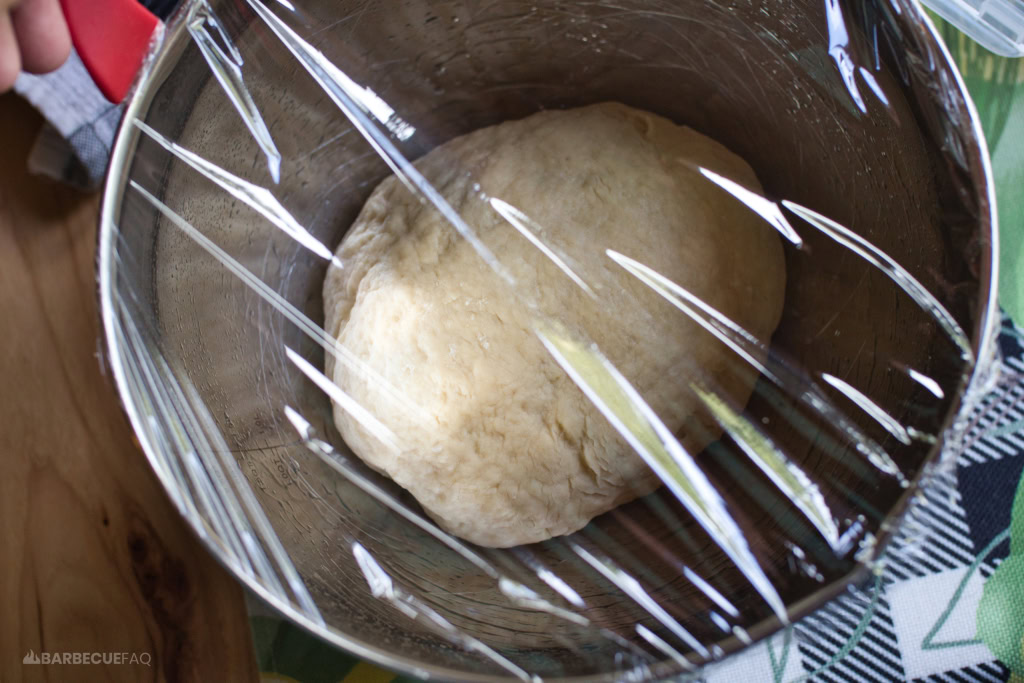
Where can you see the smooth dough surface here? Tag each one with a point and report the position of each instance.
(473, 416)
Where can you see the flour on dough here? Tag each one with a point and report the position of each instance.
(500, 447)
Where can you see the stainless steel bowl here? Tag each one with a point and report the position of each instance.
(852, 110)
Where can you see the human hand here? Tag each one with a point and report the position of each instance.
(33, 37)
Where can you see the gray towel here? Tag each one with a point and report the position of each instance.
(74, 144)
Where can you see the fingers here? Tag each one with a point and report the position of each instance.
(10, 60)
(43, 39)
(33, 36)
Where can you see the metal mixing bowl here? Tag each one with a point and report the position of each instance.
(851, 109)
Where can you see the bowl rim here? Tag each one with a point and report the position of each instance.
(165, 53)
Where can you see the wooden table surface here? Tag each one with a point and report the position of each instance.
(93, 557)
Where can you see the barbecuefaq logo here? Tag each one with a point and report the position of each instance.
(143, 658)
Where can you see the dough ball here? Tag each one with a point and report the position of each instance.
(494, 440)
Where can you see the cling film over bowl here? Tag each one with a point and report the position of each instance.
(547, 340)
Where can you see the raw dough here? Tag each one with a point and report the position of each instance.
(506, 449)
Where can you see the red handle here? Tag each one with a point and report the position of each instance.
(112, 38)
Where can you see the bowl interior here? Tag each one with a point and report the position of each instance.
(849, 110)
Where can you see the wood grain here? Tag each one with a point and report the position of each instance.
(93, 557)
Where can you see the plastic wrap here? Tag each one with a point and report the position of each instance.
(258, 130)
(997, 24)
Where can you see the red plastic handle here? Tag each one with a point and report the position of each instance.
(112, 38)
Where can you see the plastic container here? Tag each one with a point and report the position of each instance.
(996, 24)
